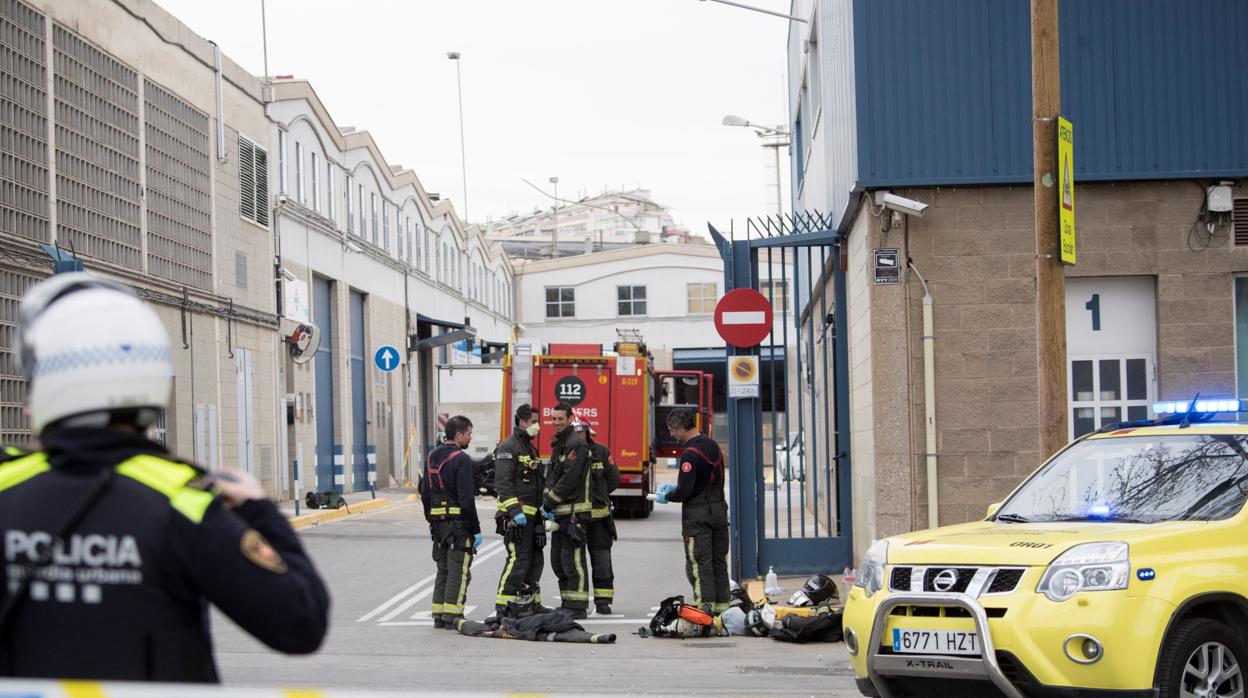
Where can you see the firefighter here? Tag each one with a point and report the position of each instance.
(703, 512)
(566, 502)
(600, 532)
(112, 547)
(518, 479)
(447, 491)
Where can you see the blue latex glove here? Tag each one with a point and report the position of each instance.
(520, 519)
(546, 514)
(666, 489)
(477, 540)
(661, 497)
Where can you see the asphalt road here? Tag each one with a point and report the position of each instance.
(380, 574)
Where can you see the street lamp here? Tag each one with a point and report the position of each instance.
(554, 236)
(774, 138)
(463, 160)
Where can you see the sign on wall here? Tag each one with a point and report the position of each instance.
(742, 376)
(1066, 188)
(887, 265)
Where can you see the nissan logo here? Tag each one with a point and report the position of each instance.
(945, 580)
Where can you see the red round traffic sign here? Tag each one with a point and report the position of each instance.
(743, 317)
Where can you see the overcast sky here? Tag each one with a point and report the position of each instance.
(601, 93)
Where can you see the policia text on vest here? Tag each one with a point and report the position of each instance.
(703, 512)
(158, 541)
(447, 491)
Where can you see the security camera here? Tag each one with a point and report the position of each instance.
(900, 204)
(352, 247)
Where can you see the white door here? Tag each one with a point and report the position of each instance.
(1111, 344)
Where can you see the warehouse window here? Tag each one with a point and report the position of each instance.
(631, 300)
(329, 187)
(316, 185)
(299, 172)
(281, 161)
(560, 301)
(701, 298)
(253, 181)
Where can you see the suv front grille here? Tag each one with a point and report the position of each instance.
(1005, 580)
(956, 580)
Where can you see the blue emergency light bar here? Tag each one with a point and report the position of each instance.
(1202, 406)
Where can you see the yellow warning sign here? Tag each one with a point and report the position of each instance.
(1066, 188)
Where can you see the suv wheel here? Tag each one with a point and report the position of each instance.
(1202, 658)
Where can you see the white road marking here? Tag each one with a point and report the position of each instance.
(427, 580)
(428, 591)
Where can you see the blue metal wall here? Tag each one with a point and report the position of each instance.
(1157, 89)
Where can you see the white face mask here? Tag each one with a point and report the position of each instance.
(532, 429)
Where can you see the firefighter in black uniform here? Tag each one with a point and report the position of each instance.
(112, 547)
(447, 491)
(567, 502)
(518, 479)
(600, 533)
(703, 512)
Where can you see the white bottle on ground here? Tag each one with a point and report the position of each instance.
(772, 585)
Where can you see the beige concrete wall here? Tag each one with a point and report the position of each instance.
(975, 246)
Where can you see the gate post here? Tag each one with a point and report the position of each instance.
(745, 451)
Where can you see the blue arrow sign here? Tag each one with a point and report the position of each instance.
(386, 358)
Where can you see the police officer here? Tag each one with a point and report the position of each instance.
(703, 512)
(518, 479)
(113, 547)
(567, 502)
(600, 533)
(447, 491)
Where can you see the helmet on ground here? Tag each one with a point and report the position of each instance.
(756, 624)
(91, 346)
(815, 591)
(740, 599)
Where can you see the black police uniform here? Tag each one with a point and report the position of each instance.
(704, 521)
(604, 477)
(567, 496)
(518, 479)
(447, 490)
(124, 595)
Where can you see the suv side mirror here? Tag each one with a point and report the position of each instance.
(992, 509)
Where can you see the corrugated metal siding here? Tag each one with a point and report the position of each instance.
(1156, 89)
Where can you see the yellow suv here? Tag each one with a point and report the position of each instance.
(1120, 567)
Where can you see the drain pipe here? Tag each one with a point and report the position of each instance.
(929, 400)
(220, 105)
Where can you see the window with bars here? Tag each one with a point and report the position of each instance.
(630, 300)
(774, 292)
(24, 208)
(299, 172)
(385, 225)
(1239, 223)
(14, 424)
(372, 199)
(253, 181)
(350, 208)
(330, 200)
(560, 301)
(314, 170)
(702, 298)
(363, 231)
(281, 161)
(97, 152)
(1104, 390)
(179, 202)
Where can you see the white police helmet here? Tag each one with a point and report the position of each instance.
(88, 345)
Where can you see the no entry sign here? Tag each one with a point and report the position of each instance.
(743, 317)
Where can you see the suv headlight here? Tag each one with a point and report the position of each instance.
(1086, 567)
(871, 574)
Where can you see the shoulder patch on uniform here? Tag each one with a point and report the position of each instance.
(260, 553)
(686, 467)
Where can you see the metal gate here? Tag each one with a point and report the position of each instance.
(789, 470)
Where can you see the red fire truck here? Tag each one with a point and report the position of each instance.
(620, 395)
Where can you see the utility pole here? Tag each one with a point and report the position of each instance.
(1050, 272)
